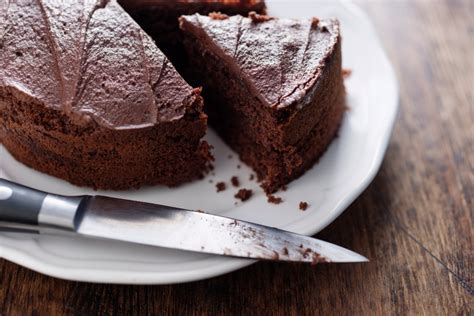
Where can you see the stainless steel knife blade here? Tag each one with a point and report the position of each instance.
(163, 226)
(170, 227)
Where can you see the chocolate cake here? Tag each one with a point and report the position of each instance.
(85, 95)
(159, 18)
(273, 88)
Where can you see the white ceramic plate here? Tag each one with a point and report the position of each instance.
(342, 174)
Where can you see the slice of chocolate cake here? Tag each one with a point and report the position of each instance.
(273, 88)
(159, 18)
(85, 95)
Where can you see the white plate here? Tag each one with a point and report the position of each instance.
(343, 173)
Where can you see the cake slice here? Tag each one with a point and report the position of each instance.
(86, 96)
(159, 19)
(273, 88)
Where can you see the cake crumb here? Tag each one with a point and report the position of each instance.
(218, 16)
(239, 166)
(303, 206)
(197, 90)
(230, 156)
(220, 186)
(314, 22)
(200, 211)
(235, 181)
(285, 251)
(306, 252)
(211, 181)
(346, 73)
(244, 194)
(258, 18)
(317, 258)
(252, 176)
(274, 199)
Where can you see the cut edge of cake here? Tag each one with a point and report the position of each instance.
(280, 141)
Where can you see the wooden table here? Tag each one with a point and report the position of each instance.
(415, 222)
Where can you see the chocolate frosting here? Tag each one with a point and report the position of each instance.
(131, 4)
(280, 59)
(89, 59)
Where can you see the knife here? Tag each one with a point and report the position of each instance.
(23, 209)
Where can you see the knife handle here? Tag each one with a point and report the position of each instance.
(23, 205)
(19, 204)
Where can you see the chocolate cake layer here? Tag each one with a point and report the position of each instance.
(159, 18)
(85, 95)
(273, 88)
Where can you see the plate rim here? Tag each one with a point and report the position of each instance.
(220, 265)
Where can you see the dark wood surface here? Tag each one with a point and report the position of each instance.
(415, 221)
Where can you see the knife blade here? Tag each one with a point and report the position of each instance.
(23, 208)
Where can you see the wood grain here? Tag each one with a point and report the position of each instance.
(415, 221)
